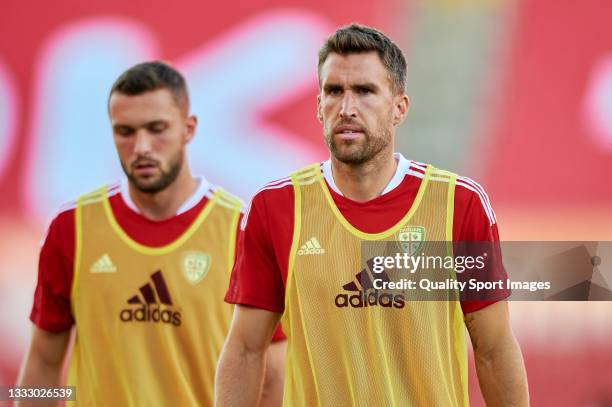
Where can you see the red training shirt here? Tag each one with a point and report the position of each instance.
(51, 308)
(260, 272)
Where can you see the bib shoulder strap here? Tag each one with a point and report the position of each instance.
(307, 175)
(95, 196)
(441, 175)
(224, 198)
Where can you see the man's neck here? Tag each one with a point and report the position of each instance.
(166, 203)
(365, 181)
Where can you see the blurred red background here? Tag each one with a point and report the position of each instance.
(515, 94)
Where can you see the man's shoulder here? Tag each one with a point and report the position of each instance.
(419, 169)
(282, 187)
(97, 195)
(62, 222)
(272, 202)
(225, 198)
(65, 212)
(275, 192)
(468, 192)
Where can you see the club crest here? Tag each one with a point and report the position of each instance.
(411, 238)
(195, 266)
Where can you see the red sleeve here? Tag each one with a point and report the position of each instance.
(278, 335)
(239, 234)
(258, 278)
(474, 221)
(51, 308)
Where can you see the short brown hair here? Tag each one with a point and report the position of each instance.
(150, 76)
(357, 38)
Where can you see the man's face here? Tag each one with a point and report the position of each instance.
(358, 107)
(150, 133)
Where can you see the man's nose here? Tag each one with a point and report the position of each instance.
(348, 106)
(142, 145)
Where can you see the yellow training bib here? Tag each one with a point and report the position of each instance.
(150, 322)
(351, 344)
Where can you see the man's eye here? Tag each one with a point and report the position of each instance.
(334, 91)
(124, 131)
(157, 128)
(364, 91)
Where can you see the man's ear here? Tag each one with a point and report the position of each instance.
(400, 108)
(319, 115)
(191, 123)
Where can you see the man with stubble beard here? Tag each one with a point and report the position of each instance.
(139, 269)
(349, 344)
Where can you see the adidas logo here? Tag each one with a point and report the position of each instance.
(368, 295)
(103, 265)
(312, 246)
(149, 301)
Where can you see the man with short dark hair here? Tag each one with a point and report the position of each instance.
(140, 268)
(350, 342)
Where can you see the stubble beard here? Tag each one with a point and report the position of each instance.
(359, 151)
(164, 179)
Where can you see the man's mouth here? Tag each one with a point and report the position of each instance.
(348, 132)
(144, 169)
